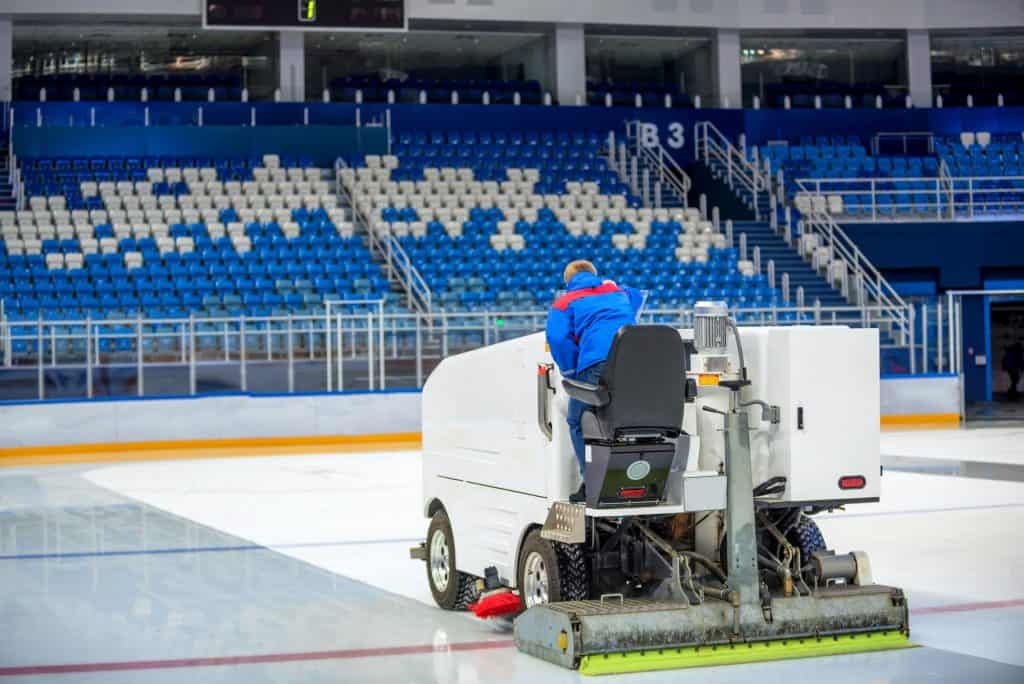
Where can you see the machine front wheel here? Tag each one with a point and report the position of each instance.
(549, 572)
(451, 589)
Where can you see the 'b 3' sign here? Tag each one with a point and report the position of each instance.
(651, 137)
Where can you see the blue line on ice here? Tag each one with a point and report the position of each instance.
(201, 549)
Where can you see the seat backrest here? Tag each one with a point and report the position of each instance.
(646, 376)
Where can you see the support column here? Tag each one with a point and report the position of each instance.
(570, 63)
(6, 58)
(291, 52)
(725, 55)
(919, 67)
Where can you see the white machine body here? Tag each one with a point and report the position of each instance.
(489, 463)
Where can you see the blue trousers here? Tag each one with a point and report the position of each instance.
(575, 413)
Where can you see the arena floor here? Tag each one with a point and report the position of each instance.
(296, 568)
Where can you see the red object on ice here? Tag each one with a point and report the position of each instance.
(496, 605)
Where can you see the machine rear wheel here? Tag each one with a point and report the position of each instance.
(808, 538)
(549, 572)
(451, 589)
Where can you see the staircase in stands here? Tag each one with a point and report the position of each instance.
(773, 247)
(759, 234)
(400, 280)
(752, 187)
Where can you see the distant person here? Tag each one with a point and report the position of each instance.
(581, 327)
(1013, 364)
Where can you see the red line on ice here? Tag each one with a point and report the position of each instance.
(76, 668)
(121, 666)
(968, 607)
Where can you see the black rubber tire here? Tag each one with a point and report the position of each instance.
(808, 538)
(461, 588)
(572, 564)
(566, 567)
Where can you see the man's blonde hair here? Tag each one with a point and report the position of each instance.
(578, 266)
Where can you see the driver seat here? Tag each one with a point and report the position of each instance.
(633, 431)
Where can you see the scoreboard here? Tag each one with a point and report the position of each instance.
(323, 15)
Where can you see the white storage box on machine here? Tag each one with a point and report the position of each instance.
(826, 444)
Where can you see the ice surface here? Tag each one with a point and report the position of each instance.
(948, 541)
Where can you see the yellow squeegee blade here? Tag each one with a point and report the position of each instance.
(748, 652)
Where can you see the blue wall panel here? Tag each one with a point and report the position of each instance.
(759, 125)
(977, 342)
(322, 144)
(959, 251)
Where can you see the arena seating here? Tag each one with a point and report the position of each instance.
(375, 89)
(901, 182)
(982, 154)
(94, 87)
(624, 95)
(178, 240)
(846, 157)
(833, 95)
(490, 219)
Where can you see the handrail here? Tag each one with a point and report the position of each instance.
(711, 144)
(946, 197)
(12, 159)
(946, 183)
(399, 259)
(397, 262)
(869, 282)
(746, 315)
(9, 121)
(345, 333)
(5, 331)
(659, 160)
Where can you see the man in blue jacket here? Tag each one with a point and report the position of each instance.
(581, 327)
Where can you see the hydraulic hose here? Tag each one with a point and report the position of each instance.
(739, 346)
(707, 563)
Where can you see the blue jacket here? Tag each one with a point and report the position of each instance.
(583, 322)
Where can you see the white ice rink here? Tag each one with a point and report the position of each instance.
(358, 514)
(954, 544)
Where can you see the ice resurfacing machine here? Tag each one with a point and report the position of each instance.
(708, 451)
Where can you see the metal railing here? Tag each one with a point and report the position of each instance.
(946, 189)
(13, 173)
(335, 340)
(399, 268)
(663, 171)
(352, 345)
(712, 146)
(936, 198)
(863, 283)
(399, 263)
